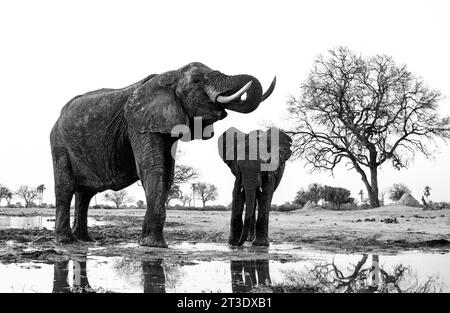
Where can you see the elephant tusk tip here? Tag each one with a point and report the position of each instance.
(270, 89)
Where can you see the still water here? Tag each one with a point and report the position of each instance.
(39, 222)
(315, 272)
(262, 270)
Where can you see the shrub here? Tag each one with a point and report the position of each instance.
(102, 207)
(349, 207)
(206, 208)
(301, 198)
(365, 206)
(285, 207)
(439, 205)
(397, 191)
(337, 196)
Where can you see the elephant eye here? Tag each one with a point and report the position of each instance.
(198, 78)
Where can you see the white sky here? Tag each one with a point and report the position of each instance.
(53, 50)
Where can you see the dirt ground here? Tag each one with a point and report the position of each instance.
(387, 230)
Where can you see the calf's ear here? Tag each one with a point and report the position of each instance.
(154, 108)
(231, 144)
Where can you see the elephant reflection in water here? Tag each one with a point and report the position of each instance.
(80, 280)
(154, 276)
(327, 277)
(245, 275)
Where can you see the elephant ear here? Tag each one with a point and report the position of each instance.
(154, 108)
(285, 146)
(278, 175)
(285, 143)
(229, 143)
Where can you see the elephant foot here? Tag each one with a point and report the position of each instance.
(82, 235)
(261, 242)
(251, 237)
(65, 238)
(233, 241)
(153, 241)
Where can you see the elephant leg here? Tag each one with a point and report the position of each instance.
(237, 207)
(237, 281)
(80, 279)
(264, 202)
(152, 153)
(60, 281)
(154, 277)
(64, 189)
(249, 274)
(80, 229)
(262, 270)
(155, 217)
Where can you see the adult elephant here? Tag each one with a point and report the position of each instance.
(257, 160)
(110, 138)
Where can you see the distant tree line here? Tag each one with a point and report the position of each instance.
(315, 193)
(25, 193)
(183, 174)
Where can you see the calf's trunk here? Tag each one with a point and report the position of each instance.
(250, 195)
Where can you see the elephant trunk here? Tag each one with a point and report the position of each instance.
(229, 89)
(250, 205)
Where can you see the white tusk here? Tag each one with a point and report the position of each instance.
(227, 99)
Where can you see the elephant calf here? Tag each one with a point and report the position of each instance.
(257, 160)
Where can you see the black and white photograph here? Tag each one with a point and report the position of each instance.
(235, 149)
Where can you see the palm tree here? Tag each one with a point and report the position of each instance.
(40, 189)
(9, 197)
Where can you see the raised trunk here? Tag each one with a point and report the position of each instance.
(229, 85)
(250, 198)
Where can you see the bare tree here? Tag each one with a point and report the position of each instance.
(174, 193)
(183, 174)
(365, 111)
(27, 193)
(206, 192)
(186, 199)
(118, 197)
